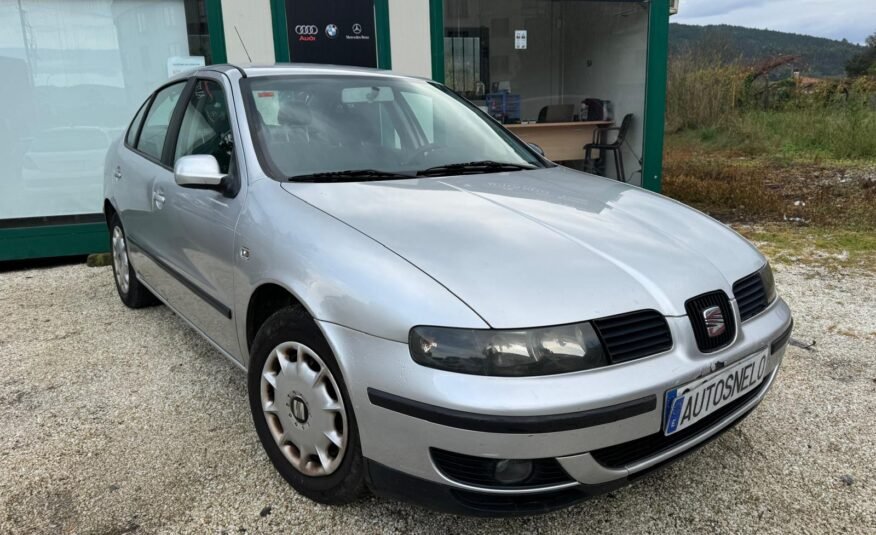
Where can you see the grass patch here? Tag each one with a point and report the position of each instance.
(828, 248)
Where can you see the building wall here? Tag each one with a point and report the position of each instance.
(409, 32)
(252, 19)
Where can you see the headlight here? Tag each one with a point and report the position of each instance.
(769, 284)
(517, 353)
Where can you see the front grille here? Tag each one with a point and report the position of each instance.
(634, 335)
(481, 471)
(643, 448)
(750, 296)
(695, 308)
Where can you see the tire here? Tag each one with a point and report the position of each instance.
(292, 332)
(131, 291)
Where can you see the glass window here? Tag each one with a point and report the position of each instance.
(206, 127)
(314, 124)
(73, 77)
(421, 105)
(131, 137)
(155, 126)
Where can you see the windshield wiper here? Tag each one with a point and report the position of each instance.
(351, 175)
(485, 166)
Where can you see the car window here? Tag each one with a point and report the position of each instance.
(155, 125)
(421, 106)
(206, 127)
(131, 136)
(315, 124)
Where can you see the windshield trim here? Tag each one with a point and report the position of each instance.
(272, 171)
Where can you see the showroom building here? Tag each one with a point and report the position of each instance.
(553, 71)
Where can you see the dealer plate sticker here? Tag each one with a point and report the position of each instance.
(692, 402)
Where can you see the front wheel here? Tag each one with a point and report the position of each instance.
(301, 410)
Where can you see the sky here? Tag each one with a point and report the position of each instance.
(836, 19)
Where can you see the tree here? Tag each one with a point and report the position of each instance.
(865, 61)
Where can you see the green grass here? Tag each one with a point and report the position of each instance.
(815, 135)
(829, 248)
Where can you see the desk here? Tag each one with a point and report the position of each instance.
(560, 141)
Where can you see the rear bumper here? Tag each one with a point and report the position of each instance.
(603, 427)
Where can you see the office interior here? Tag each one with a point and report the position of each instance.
(570, 51)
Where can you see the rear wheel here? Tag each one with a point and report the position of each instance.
(301, 409)
(131, 291)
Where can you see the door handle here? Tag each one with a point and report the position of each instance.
(158, 199)
(118, 173)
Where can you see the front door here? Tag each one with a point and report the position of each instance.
(199, 224)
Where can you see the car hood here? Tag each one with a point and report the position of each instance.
(544, 247)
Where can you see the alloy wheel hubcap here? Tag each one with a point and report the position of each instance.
(304, 409)
(120, 260)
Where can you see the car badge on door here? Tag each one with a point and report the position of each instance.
(714, 319)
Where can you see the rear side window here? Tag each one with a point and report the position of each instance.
(131, 136)
(155, 125)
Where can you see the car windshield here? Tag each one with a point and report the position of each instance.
(373, 128)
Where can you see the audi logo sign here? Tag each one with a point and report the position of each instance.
(306, 29)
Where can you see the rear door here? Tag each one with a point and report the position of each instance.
(199, 224)
(143, 173)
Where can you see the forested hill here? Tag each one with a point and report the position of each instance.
(819, 56)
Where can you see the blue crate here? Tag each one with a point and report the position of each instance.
(504, 107)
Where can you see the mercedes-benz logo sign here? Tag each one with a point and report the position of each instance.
(306, 29)
(357, 28)
(331, 31)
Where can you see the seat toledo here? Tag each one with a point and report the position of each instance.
(424, 305)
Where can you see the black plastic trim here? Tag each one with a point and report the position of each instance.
(490, 423)
(783, 339)
(194, 288)
(390, 483)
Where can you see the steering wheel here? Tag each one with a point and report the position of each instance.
(421, 153)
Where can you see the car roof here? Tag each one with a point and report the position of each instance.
(255, 70)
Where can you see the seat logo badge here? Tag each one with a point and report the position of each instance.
(299, 409)
(714, 319)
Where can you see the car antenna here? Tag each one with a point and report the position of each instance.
(242, 44)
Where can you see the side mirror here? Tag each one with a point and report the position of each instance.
(537, 149)
(198, 171)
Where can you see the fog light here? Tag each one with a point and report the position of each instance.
(512, 471)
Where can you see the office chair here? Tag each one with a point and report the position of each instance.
(600, 143)
(556, 113)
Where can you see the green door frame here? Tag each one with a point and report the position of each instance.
(655, 95)
(381, 28)
(46, 240)
(655, 82)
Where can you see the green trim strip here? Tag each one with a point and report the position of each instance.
(436, 24)
(216, 30)
(655, 94)
(381, 28)
(281, 34)
(55, 240)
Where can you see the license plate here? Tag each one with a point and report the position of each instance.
(688, 404)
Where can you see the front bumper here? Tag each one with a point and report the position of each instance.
(574, 418)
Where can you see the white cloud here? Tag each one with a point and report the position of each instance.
(836, 19)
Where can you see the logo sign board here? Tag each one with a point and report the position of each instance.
(180, 64)
(339, 32)
(520, 37)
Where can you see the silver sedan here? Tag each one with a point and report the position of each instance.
(424, 305)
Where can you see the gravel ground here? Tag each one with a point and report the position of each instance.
(118, 421)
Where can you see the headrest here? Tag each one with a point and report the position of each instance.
(294, 114)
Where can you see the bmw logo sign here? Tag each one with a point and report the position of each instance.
(331, 31)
